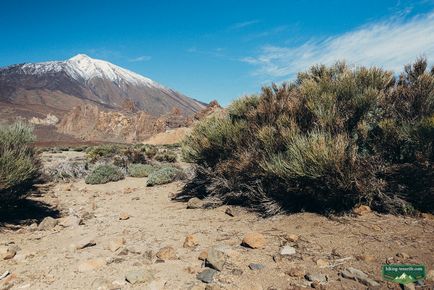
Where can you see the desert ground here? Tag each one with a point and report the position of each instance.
(124, 235)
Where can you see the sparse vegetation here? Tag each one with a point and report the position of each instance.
(141, 170)
(164, 175)
(103, 174)
(334, 138)
(19, 165)
(165, 156)
(67, 170)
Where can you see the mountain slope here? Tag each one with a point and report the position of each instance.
(58, 86)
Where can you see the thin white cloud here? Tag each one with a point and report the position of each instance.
(140, 58)
(388, 44)
(241, 25)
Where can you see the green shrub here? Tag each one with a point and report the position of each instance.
(150, 150)
(140, 170)
(102, 151)
(333, 138)
(103, 174)
(164, 175)
(120, 154)
(165, 156)
(19, 165)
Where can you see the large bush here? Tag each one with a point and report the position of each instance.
(164, 175)
(141, 170)
(104, 173)
(334, 138)
(19, 165)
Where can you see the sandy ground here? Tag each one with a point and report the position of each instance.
(46, 258)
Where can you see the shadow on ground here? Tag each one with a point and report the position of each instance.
(25, 212)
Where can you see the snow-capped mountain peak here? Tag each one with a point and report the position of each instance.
(85, 67)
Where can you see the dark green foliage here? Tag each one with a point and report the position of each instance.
(103, 174)
(165, 156)
(164, 175)
(141, 170)
(334, 138)
(19, 165)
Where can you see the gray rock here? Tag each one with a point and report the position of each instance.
(318, 277)
(287, 251)
(206, 275)
(216, 258)
(139, 276)
(47, 223)
(194, 203)
(254, 266)
(359, 276)
(84, 243)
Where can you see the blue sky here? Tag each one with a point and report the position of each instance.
(218, 49)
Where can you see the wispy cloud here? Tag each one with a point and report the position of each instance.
(244, 24)
(389, 44)
(140, 58)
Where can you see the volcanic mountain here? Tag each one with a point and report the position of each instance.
(57, 86)
(47, 92)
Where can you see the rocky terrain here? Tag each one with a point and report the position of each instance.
(124, 235)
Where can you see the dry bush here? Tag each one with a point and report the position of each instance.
(19, 165)
(326, 142)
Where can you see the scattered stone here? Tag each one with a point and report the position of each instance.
(296, 272)
(139, 276)
(254, 266)
(91, 265)
(322, 263)
(194, 203)
(84, 243)
(190, 241)
(359, 276)
(254, 240)
(237, 272)
(47, 223)
(23, 256)
(116, 244)
(123, 252)
(430, 275)
(207, 275)
(318, 277)
(292, 238)
(231, 212)
(71, 221)
(403, 255)
(203, 255)
(124, 216)
(149, 255)
(287, 251)
(33, 227)
(361, 210)
(166, 253)
(87, 215)
(4, 275)
(216, 258)
(366, 258)
(7, 253)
